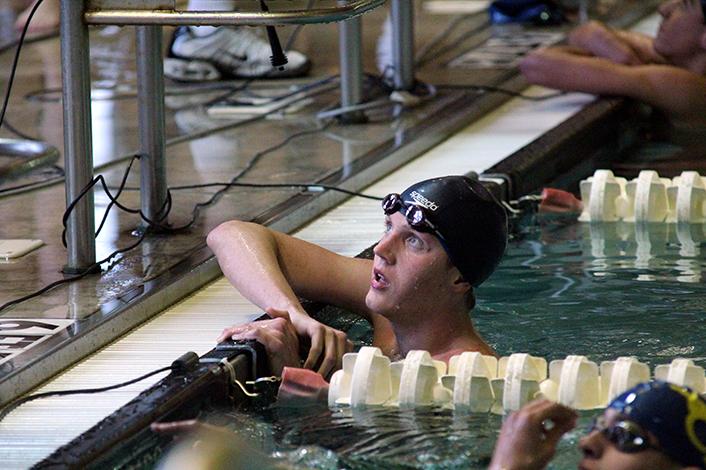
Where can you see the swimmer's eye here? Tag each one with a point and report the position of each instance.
(387, 226)
(415, 242)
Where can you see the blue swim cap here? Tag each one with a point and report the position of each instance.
(471, 221)
(675, 415)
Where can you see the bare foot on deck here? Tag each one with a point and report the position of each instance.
(45, 20)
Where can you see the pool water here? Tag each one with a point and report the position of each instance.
(563, 288)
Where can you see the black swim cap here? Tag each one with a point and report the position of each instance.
(472, 223)
(675, 415)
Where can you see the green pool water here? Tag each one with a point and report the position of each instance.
(563, 288)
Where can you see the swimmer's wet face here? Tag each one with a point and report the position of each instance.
(680, 34)
(412, 274)
(671, 418)
(443, 236)
(616, 443)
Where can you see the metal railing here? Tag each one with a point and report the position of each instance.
(149, 16)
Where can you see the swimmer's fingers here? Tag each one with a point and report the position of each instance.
(231, 331)
(558, 420)
(317, 338)
(528, 437)
(343, 346)
(282, 321)
(276, 313)
(331, 352)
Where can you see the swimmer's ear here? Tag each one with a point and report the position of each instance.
(460, 283)
(702, 41)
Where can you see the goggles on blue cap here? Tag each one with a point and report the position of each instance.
(675, 415)
(625, 435)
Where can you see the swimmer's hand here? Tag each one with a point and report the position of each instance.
(529, 437)
(278, 336)
(602, 41)
(328, 345)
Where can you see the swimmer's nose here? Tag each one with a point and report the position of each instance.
(385, 248)
(666, 8)
(592, 445)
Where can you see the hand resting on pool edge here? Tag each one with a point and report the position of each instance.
(441, 238)
(279, 337)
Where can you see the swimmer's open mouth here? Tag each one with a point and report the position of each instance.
(379, 280)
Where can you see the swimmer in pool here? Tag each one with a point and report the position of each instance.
(442, 238)
(667, 71)
(654, 425)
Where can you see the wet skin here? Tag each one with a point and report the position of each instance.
(411, 273)
(600, 454)
(680, 32)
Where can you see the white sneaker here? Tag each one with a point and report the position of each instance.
(226, 53)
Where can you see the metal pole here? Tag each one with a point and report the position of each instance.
(402, 17)
(78, 161)
(351, 57)
(147, 15)
(150, 95)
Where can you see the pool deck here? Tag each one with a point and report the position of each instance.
(77, 318)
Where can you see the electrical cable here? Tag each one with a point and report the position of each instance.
(14, 190)
(426, 56)
(164, 210)
(16, 60)
(19, 133)
(21, 401)
(30, 40)
(312, 187)
(78, 276)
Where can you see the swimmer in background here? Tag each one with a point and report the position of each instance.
(667, 72)
(442, 237)
(654, 425)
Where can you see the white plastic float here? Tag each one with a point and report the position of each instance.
(470, 377)
(478, 383)
(687, 196)
(604, 197)
(683, 372)
(364, 380)
(521, 375)
(573, 382)
(419, 382)
(647, 198)
(620, 375)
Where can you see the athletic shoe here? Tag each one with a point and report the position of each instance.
(226, 53)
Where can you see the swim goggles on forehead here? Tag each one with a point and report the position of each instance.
(416, 215)
(625, 435)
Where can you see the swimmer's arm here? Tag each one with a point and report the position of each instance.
(678, 92)
(270, 269)
(621, 47)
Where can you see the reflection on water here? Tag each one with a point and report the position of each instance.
(603, 291)
(377, 437)
(646, 247)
